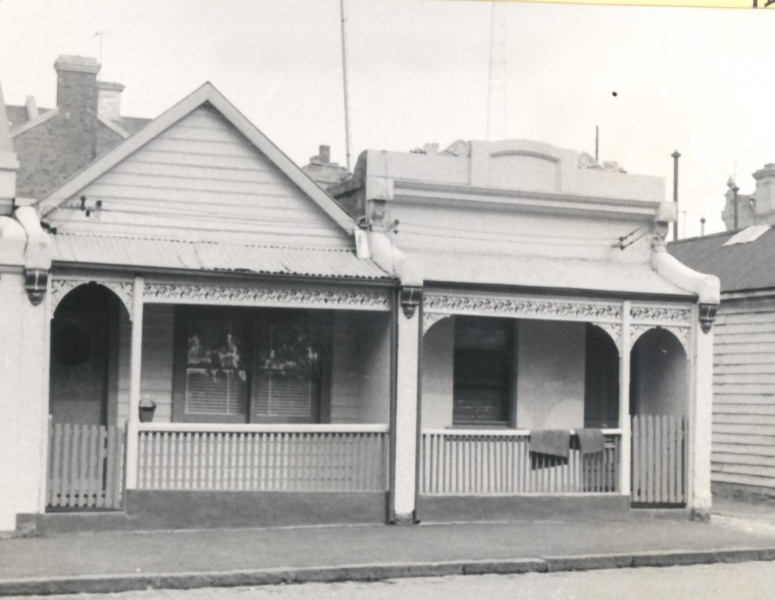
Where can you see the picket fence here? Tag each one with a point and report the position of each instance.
(486, 462)
(659, 460)
(85, 466)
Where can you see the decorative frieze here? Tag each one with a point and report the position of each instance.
(681, 317)
(614, 330)
(266, 296)
(61, 287)
(430, 319)
(681, 333)
(562, 310)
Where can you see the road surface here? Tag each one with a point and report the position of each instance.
(744, 581)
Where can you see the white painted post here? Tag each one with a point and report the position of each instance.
(700, 423)
(405, 426)
(134, 384)
(625, 422)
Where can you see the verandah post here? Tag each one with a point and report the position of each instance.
(404, 421)
(625, 422)
(698, 429)
(134, 384)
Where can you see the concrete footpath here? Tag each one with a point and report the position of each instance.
(115, 562)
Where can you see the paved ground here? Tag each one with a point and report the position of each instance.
(746, 581)
(228, 557)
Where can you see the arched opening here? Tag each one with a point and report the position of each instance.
(523, 373)
(83, 381)
(659, 375)
(601, 380)
(659, 390)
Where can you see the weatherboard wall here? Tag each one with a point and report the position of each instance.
(743, 453)
(360, 374)
(200, 179)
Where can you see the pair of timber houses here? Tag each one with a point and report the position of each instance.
(197, 334)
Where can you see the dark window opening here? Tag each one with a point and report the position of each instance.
(483, 371)
(250, 366)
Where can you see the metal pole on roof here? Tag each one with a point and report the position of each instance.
(676, 155)
(702, 226)
(344, 75)
(735, 189)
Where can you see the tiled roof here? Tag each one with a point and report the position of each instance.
(740, 267)
(545, 272)
(211, 256)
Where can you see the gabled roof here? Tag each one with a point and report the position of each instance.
(206, 94)
(740, 267)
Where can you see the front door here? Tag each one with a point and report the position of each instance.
(78, 380)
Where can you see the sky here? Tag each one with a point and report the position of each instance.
(654, 80)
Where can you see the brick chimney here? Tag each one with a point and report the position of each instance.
(109, 102)
(322, 171)
(76, 124)
(746, 209)
(765, 194)
(77, 84)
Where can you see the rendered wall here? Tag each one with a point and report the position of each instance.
(23, 401)
(550, 379)
(659, 375)
(550, 375)
(438, 374)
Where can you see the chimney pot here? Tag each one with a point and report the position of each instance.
(325, 154)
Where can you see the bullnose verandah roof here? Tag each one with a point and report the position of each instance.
(114, 250)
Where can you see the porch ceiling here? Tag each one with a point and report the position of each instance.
(211, 256)
(545, 272)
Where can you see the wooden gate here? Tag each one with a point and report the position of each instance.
(85, 466)
(658, 461)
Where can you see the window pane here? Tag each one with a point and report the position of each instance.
(285, 395)
(216, 343)
(483, 333)
(289, 357)
(217, 376)
(216, 392)
(483, 371)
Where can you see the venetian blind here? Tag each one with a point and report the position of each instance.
(217, 380)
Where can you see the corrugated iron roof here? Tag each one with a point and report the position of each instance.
(546, 272)
(740, 267)
(211, 256)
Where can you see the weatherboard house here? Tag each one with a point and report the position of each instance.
(744, 349)
(195, 334)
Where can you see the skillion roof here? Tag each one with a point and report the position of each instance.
(85, 249)
(740, 267)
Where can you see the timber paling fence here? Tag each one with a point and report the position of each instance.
(333, 458)
(659, 460)
(85, 466)
(486, 462)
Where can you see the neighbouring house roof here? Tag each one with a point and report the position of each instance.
(547, 272)
(112, 250)
(740, 267)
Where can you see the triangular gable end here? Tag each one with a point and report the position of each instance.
(205, 112)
